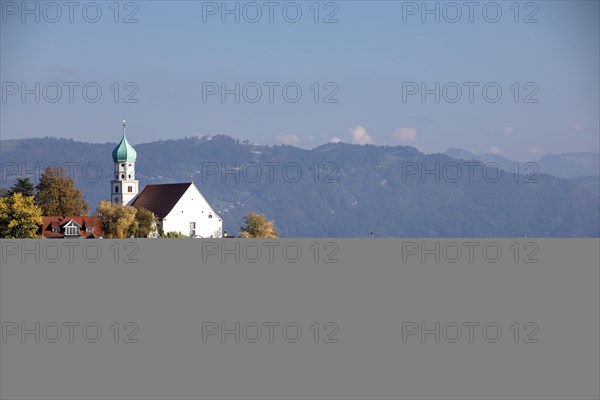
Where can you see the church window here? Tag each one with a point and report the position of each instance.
(192, 233)
(116, 176)
(129, 189)
(122, 176)
(122, 165)
(192, 225)
(129, 176)
(116, 189)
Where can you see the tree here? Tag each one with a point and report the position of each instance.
(116, 219)
(257, 226)
(175, 235)
(57, 194)
(23, 186)
(20, 218)
(145, 223)
(3, 192)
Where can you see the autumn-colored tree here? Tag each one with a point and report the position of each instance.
(116, 219)
(257, 226)
(23, 186)
(57, 194)
(145, 223)
(20, 218)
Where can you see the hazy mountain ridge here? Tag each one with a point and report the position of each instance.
(583, 169)
(566, 165)
(373, 192)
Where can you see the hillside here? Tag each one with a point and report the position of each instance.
(357, 190)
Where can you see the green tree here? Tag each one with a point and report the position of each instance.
(257, 226)
(116, 219)
(20, 218)
(57, 194)
(175, 235)
(23, 186)
(145, 223)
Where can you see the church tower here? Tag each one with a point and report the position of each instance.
(124, 187)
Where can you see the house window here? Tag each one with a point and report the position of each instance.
(192, 233)
(55, 230)
(89, 229)
(192, 225)
(71, 230)
(116, 189)
(129, 189)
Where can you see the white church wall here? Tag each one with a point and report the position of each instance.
(193, 207)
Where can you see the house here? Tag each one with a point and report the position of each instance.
(71, 227)
(179, 207)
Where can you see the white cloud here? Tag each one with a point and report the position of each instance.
(360, 136)
(535, 150)
(508, 131)
(287, 139)
(335, 139)
(494, 150)
(405, 134)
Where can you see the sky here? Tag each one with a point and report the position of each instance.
(518, 79)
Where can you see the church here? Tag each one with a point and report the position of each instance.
(179, 207)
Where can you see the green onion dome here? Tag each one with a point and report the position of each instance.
(124, 151)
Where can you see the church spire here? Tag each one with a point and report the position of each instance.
(124, 187)
(124, 151)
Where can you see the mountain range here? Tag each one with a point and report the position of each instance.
(581, 168)
(345, 190)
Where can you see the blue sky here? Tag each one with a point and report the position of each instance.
(368, 58)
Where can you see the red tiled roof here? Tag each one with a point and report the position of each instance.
(160, 199)
(83, 221)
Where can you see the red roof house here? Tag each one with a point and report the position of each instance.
(71, 227)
